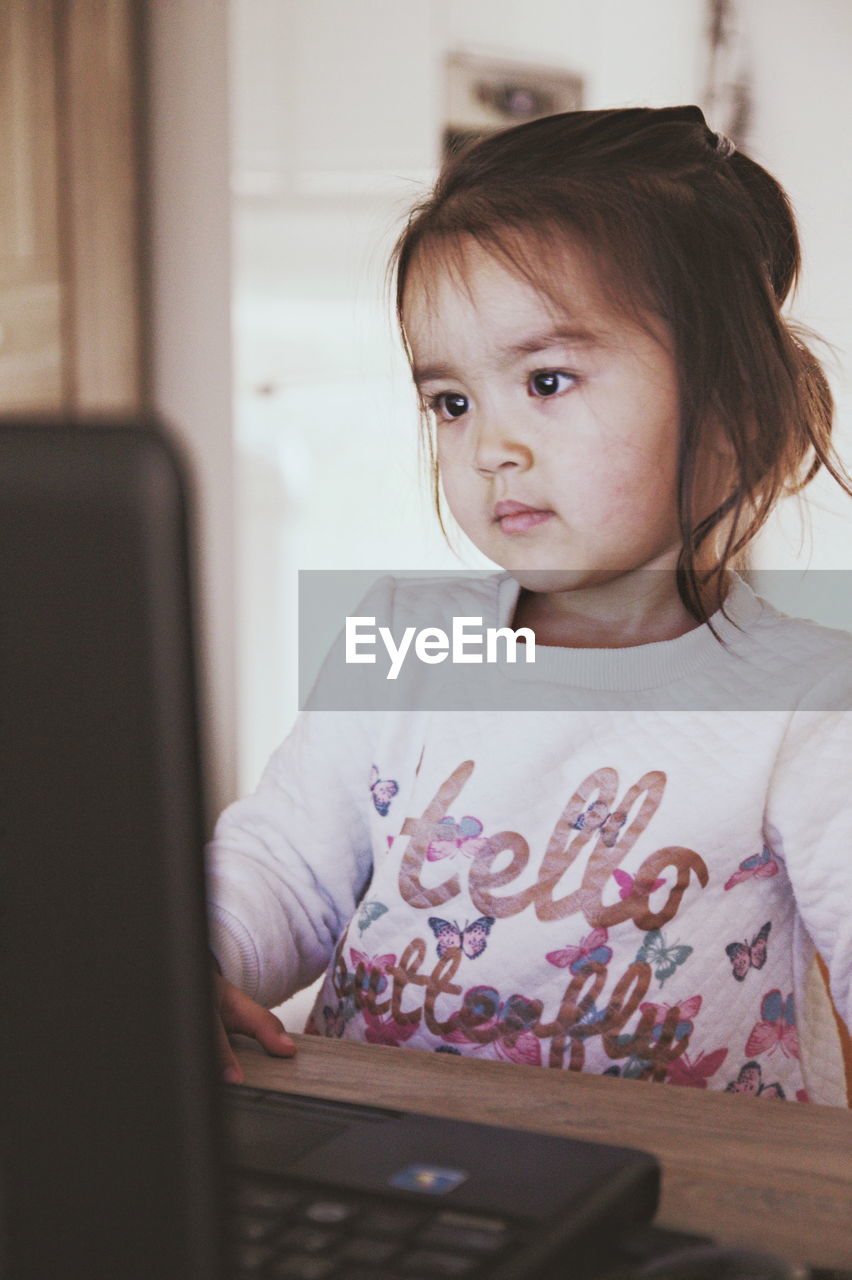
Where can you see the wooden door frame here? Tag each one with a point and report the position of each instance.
(99, 59)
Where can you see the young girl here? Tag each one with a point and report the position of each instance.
(637, 882)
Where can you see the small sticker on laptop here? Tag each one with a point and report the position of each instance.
(430, 1178)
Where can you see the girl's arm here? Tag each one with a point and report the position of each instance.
(287, 865)
(810, 805)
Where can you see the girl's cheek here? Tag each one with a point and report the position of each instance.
(450, 452)
(457, 496)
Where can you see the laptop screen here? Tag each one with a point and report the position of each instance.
(109, 1140)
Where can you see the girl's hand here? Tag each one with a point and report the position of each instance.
(235, 1011)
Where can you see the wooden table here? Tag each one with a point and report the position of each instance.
(761, 1173)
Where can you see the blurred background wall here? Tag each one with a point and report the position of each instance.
(115, 257)
(338, 110)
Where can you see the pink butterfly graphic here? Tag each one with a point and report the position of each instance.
(597, 817)
(695, 1072)
(628, 884)
(471, 940)
(777, 1027)
(387, 1030)
(513, 1019)
(592, 948)
(457, 837)
(383, 791)
(686, 1010)
(750, 1081)
(745, 955)
(760, 866)
(371, 971)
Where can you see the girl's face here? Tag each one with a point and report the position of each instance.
(556, 432)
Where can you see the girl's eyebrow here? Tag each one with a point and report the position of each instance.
(431, 373)
(574, 336)
(566, 337)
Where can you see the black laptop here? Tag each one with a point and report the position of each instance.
(116, 1163)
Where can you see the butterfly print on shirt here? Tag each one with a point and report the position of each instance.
(597, 817)
(662, 958)
(334, 1021)
(633, 1069)
(471, 940)
(760, 866)
(368, 912)
(628, 884)
(591, 949)
(387, 1030)
(371, 972)
(750, 1080)
(456, 837)
(590, 1016)
(749, 955)
(668, 1040)
(686, 1010)
(499, 1029)
(777, 1027)
(383, 791)
(695, 1072)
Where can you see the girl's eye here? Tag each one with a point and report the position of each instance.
(449, 404)
(548, 383)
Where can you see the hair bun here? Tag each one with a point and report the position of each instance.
(776, 223)
(724, 145)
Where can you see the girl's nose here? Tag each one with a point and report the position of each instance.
(497, 447)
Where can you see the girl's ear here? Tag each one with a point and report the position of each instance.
(716, 438)
(716, 467)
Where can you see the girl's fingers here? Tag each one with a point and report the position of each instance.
(231, 1069)
(242, 1014)
(272, 1034)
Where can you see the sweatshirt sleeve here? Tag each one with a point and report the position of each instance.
(288, 864)
(810, 806)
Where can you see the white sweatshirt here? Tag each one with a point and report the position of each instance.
(634, 882)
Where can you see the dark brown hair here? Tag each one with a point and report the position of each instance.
(682, 227)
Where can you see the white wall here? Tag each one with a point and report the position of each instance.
(329, 85)
(190, 259)
(801, 53)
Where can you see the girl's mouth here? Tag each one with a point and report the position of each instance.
(515, 517)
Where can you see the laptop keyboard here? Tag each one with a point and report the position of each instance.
(290, 1230)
